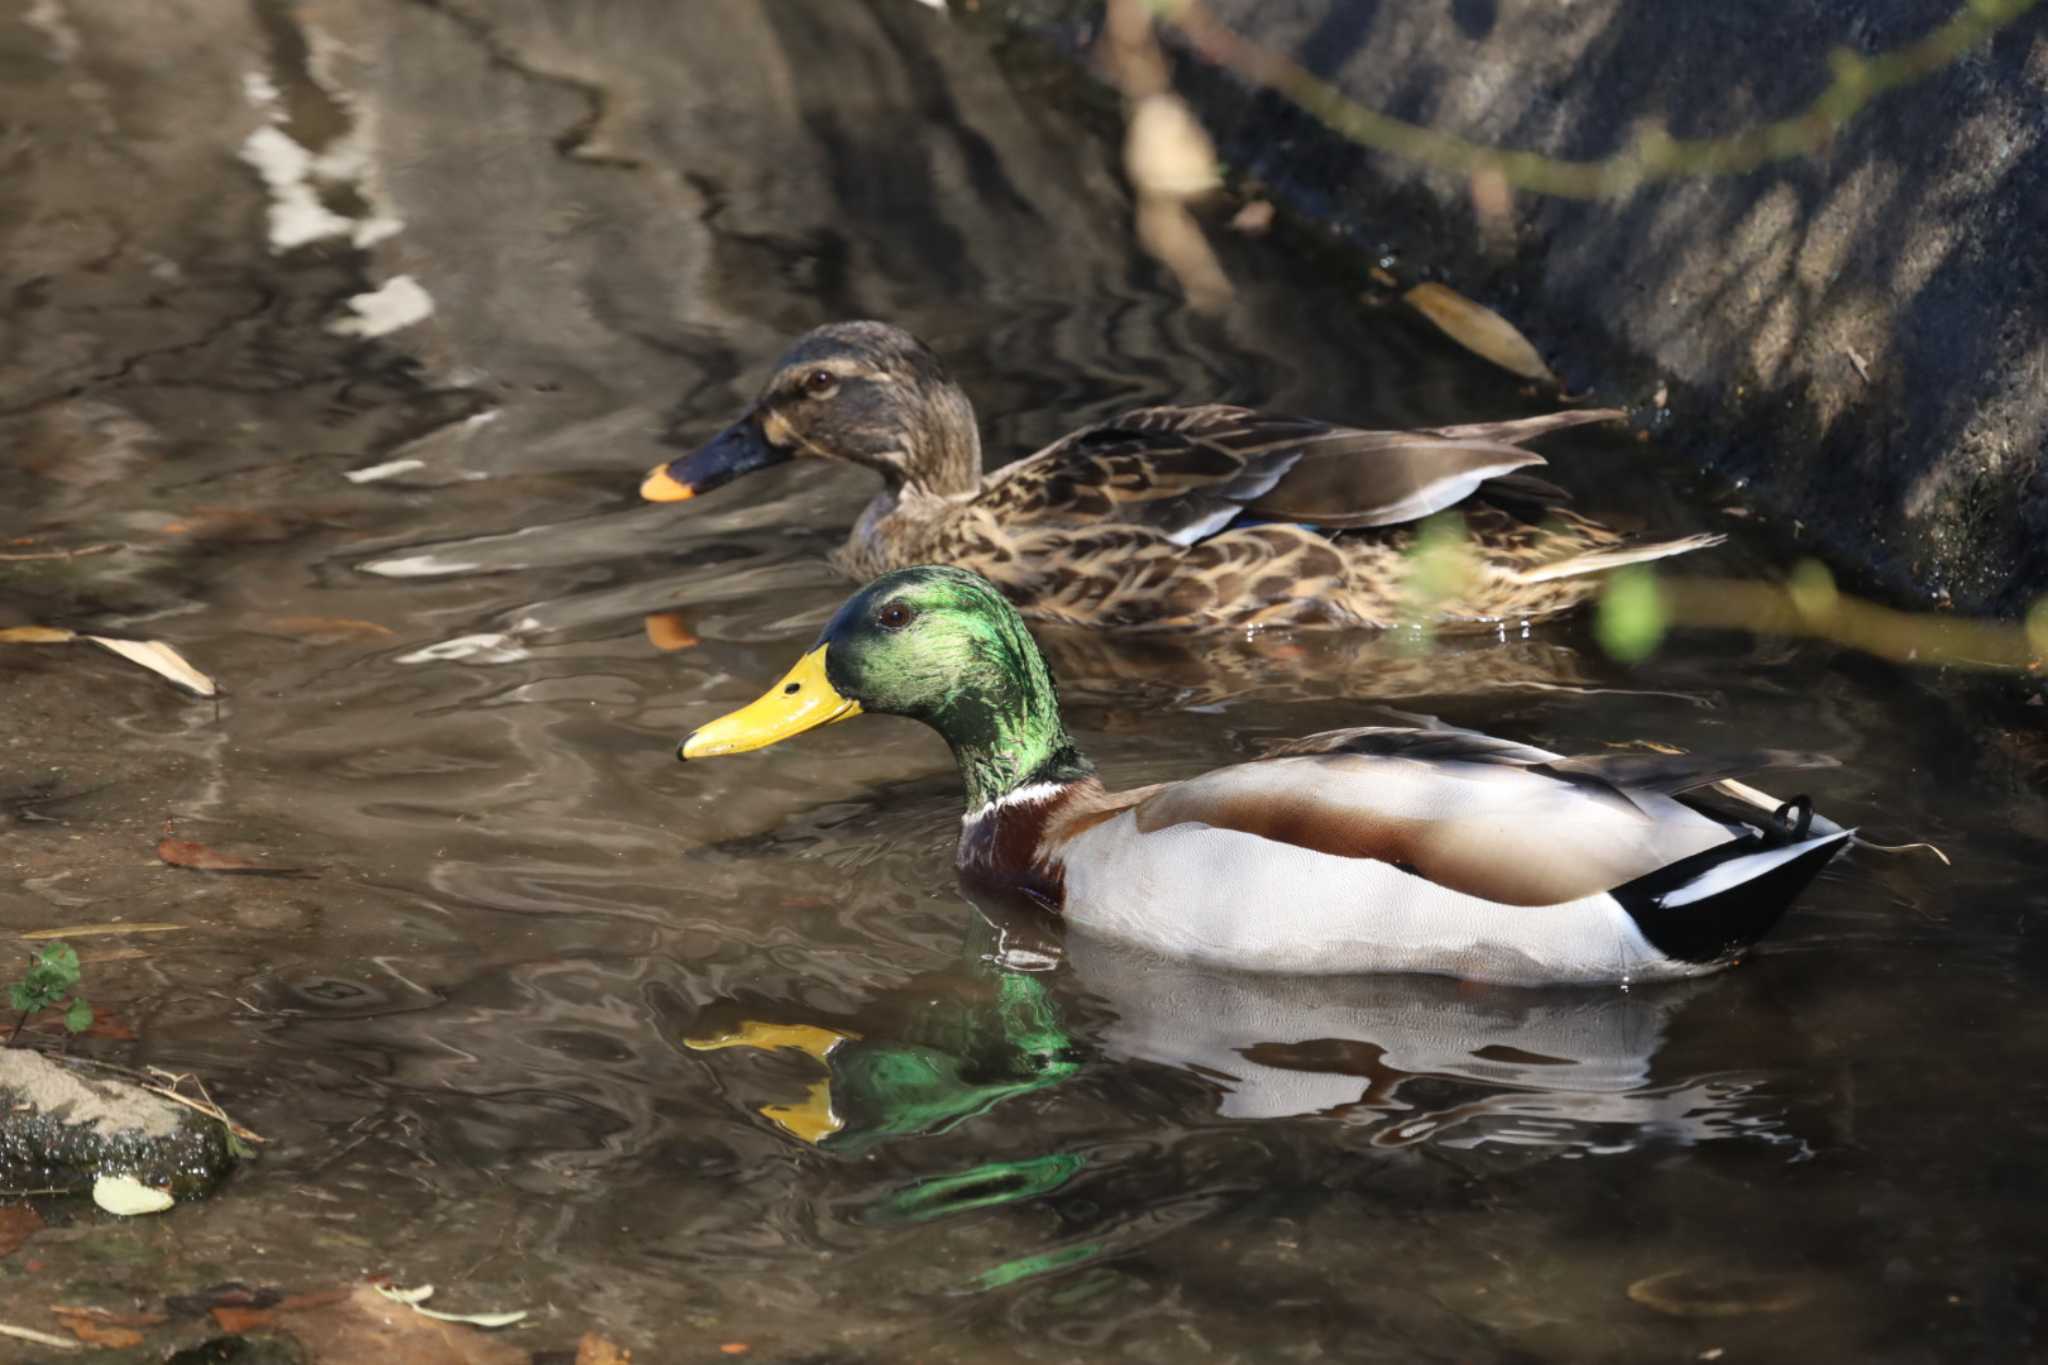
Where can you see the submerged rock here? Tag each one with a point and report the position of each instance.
(62, 1127)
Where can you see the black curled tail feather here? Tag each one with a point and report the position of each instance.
(1710, 907)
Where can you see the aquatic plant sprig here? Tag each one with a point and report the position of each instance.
(1638, 607)
(51, 978)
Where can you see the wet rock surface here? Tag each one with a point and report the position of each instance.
(1859, 334)
(64, 1125)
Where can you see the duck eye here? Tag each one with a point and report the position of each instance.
(818, 383)
(895, 616)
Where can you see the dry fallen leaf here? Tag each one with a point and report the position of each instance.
(199, 858)
(366, 1326)
(237, 1321)
(1166, 151)
(327, 628)
(668, 631)
(18, 1223)
(36, 635)
(160, 659)
(1718, 1294)
(128, 1197)
(261, 1311)
(95, 1333)
(1479, 330)
(107, 1317)
(598, 1349)
(1254, 219)
(103, 1025)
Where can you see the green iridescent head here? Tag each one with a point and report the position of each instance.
(939, 645)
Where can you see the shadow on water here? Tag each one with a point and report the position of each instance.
(719, 1053)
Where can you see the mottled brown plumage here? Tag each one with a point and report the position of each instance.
(1173, 518)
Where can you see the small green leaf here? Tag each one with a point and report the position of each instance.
(62, 960)
(19, 996)
(79, 1017)
(1631, 619)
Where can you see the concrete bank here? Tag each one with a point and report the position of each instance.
(1859, 335)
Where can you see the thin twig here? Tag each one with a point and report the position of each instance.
(145, 1079)
(39, 1338)
(81, 552)
(1655, 155)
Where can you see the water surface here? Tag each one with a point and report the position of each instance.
(721, 1053)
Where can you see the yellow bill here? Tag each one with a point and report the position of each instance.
(662, 486)
(803, 700)
(812, 1121)
(813, 1040)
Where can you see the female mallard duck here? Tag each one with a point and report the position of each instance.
(1168, 518)
(1369, 850)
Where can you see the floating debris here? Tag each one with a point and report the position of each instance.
(1479, 330)
(128, 1197)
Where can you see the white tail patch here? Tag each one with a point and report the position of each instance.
(1600, 561)
(1733, 873)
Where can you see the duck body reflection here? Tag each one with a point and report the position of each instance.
(1413, 1060)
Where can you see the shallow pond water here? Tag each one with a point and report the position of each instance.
(721, 1054)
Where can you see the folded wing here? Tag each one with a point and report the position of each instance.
(1188, 473)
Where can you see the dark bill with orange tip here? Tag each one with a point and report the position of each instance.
(740, 449)
(803, 700)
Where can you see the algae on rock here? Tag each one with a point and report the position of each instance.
(61, 1128)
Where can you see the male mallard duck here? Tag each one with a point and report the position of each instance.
(1168, 518)
(1368, 850)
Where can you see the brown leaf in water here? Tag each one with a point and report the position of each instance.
(141, 1317)
(199, 858)
(1255, 219)
(327, 628)
(18, 1223)
(1479, 330)
(264, 1309)
(669, 631)
(598, 1349)
(160, 659)
(232, 1295)
(154, 655)
(1693, 1293)
(94, 1328)
(104, 1025)
(241, 525)
(239, 1320)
